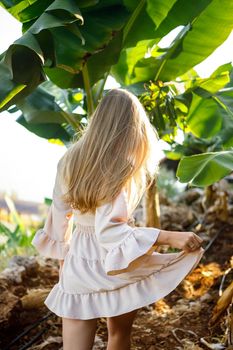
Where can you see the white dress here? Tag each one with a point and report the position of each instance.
(110, 268)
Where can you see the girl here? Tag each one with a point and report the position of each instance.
(111, 268)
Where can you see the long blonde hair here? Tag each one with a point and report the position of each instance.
(116, 149)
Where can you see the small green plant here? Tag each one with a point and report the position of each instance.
(15, 237)
(13, 241)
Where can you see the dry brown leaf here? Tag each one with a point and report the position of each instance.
(222, 304)
(34, 299)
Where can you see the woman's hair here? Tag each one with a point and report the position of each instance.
(116, 149)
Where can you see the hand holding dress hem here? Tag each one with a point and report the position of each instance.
(122, 243)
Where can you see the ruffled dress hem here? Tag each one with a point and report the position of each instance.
(136, 244)
(115, 302)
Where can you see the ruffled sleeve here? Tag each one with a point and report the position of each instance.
(53, 239)
(123, 244)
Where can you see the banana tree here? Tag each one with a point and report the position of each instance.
(77, 44)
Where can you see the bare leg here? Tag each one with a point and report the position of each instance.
(78, 334)
(119, 331)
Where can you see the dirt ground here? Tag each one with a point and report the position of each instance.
(179, 321)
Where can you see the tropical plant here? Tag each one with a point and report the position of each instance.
(77, 44)
(15, 236)
(204, 113)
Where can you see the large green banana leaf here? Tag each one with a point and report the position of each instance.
(211, 116)
(96, 67)
(177, 16)
(211, 111)
(42, 115)
(200, 36)
(205, 169)
(48, 131)
(139, 19)
(75, 42)
(40, 107)
(59, 39)
(158, 18)
(225, 98)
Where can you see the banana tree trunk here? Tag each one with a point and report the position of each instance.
(152, 206)
(209, 196)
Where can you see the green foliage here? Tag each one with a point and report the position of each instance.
(211, 25)
(193, 145)
(14, 242)
(59, 42)
(199, 109)
(181, 13)
(167, 118)
(16, 235)
(203, 112)
(78, 43)
(75, 43)
(40, 108)
(159, 102)
(205, 169)
(210, 117)
(15, 238)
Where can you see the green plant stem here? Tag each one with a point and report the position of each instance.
(99, 91)
(87, 86)
(70, 119)
(132, 19)
(90, 100)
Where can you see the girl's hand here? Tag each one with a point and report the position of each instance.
(61, 262)
(187, 241)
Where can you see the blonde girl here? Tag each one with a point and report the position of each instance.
(109, 267)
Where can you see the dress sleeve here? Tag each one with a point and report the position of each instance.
(53, 239)
(123, 244)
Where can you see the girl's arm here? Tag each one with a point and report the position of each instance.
(124, 244)
(187, 241)
(53, 239)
